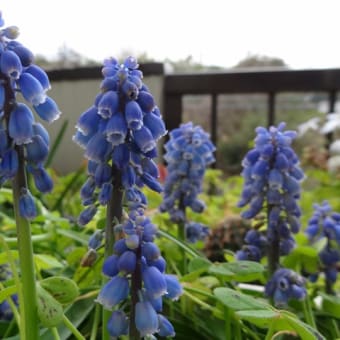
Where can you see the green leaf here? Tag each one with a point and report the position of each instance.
(50, 311)
(331, 304)
(261, 318)
(63, 289)
(238, 301)
(76, 313)
(305, 331)
(198, 263)
(6, 292)
(44, 261)
(209, 281)
(220, 269)
(243, 271)
(280, 321)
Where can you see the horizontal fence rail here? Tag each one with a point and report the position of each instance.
(270, 82)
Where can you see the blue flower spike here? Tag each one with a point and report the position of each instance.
(189, 152)
(120, 142)
(285, 285)
(272, 177)
(325, 224)
(19, 74)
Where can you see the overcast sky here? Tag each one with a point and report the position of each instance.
(304, 33)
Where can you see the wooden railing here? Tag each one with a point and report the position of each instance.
(271, 82)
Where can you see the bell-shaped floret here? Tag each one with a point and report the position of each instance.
(155, 124)
(133, 115)
(154, 282)
(42, 180)
(113, 292)
(144, 139)
(87, 215)
(127, 262)
(105, 193)
(36, 150)
(20, 124)
(98, 148)
(151, 251)
(25, 55)
(174, 288)
(38, 73)
(10, 64)
(166, 329)
(103, 174)
(146, 318)
(110, 265)
(31, 89)
(9, 164)
(146, 101)
(118, 324)
(48, 110)
(27, 207)
(108, 104)
(116, 129)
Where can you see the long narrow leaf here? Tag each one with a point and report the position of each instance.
(56, 143)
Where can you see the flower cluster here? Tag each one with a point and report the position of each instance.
(272, 181)
(20, 134)
(325, 223)
(136, 257)
(119, 132)
(188, 153)
(285, 285)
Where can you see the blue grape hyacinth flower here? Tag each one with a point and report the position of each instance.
(21, 137)
(325, 223)
(272, 177)
(285, 285)
(189, 152)
(119, 133)
(136, 254)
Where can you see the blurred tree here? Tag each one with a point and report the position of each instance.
(188, 64)
(260, 61)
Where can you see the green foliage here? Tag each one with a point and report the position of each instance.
(221, 299)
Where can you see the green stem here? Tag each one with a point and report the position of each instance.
(270, 332)
(182, 237)
(55, 333)
(114, 212)
(227, 321)
(73, 329)
(308, 313)
(95, 322)
(28, 307)
(237, 329)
